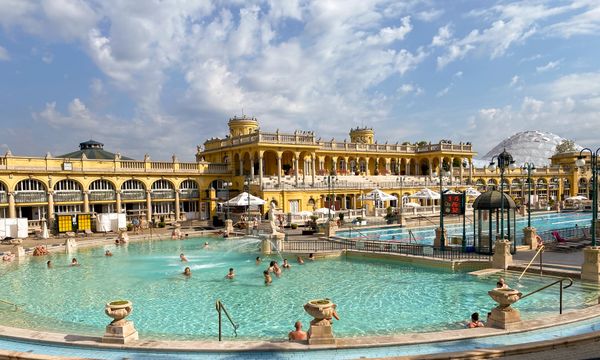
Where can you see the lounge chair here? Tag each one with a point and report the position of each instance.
(564, 242)
(88, 232)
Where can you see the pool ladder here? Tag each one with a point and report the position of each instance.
(221, 309)
(561, 280)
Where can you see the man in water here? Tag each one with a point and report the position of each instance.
(206, 245)
(299, 259)
(267, 276)
(298, 334)
(258, 260)
(286, 265)
(107, 253)
(74, 262)
(475, 323)
(49, 264)
(187, 271)
(230, 275)
(182, 257)
(311, 257)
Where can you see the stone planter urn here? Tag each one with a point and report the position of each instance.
(119, 331)
(322, 310)
(504, 316)
(118, 310)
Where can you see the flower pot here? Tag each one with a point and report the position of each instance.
(321, 310)
(118, 310)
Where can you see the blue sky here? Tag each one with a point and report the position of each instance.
(160, 77)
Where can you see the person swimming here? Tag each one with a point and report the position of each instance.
(230, 275)
(206, 245)
(268, 279)
(258, 260)
(48, 264)
(311, 257)
(74, 262)
(107, 253)
(182, 257)
(299, 260)
(286, 265)
(187, 271)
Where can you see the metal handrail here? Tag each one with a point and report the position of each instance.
(221, 308)
(547, 286)
(9, 303)
(411, 236)
(421, 217)
(359, 233)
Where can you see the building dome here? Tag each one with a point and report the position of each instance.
(362, 135)
(491, 199)
(242, 125)
(92, 150)
(528, 146)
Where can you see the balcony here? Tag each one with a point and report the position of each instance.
(31, 197)
(133, 195)
(102, 195)
(162, 194)
(68, 196)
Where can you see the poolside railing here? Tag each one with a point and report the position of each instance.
(449, 253)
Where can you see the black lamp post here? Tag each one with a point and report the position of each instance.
(444, 170)
(505, 161)
(594, 167)
(530, 167)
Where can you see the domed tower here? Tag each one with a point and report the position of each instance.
(362, 135)
(242, 125)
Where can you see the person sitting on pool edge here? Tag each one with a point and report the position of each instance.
(267, 276)
(187, 271)
(298, 334)
(475, 323)
(230, 275)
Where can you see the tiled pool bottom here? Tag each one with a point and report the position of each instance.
(554, 333)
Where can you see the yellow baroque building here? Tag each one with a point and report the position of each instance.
(297, 171)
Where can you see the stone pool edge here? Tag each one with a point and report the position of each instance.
(67, 340)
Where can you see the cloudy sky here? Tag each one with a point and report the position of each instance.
(162, 76)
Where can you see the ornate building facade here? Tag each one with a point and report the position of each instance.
(298, 171)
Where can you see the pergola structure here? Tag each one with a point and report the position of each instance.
(487, 208)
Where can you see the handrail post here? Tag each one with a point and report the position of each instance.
(220, 319)
(561, 296)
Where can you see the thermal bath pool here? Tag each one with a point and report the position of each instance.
(373, 297)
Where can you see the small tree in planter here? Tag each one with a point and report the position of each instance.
(389, 216)
(294, 226)
(341, 217)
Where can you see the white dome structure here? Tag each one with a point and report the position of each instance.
(528, 146)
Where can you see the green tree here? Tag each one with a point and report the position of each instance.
(565, 146)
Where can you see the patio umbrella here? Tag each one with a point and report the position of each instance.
(324, 211)
(472, 192)
(425, 194)
(377, 194)
(45, 233)
(304, 213)
(244, 199)
(411, 204)
(576, 198)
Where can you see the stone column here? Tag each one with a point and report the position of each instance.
(470, 171)
(502, 257)
(430, 167)
(252, 167)
(388, 165)
(346, 164)
(12, 209)
(461, 171)
(296, 168)
(118, 197)
(530, 237)
(177, 206)
(334, 160)
(50, 205)
(279, 169)
(367, 171)
(451, 170)
(312, 168)
(86, 201)
(407, 167)
(590, 269)
(148, 206)
(260, 169)
(241, 165)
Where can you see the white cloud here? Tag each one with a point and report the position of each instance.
(47, 58)
(430, 15)
(406, 89)
(444, 91)
(4, 54)
(444, 34)
(580, 85)
(388, 35)
(584, 23)
(458, 74)
(514, 80)
(549, 66)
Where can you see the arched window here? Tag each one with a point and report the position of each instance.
(189, 189)
(67, 191)
(102, 190)
(133, 190)
(162, 189)
(30, 191)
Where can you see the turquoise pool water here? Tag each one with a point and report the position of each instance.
(425, 235)
(374, 297)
